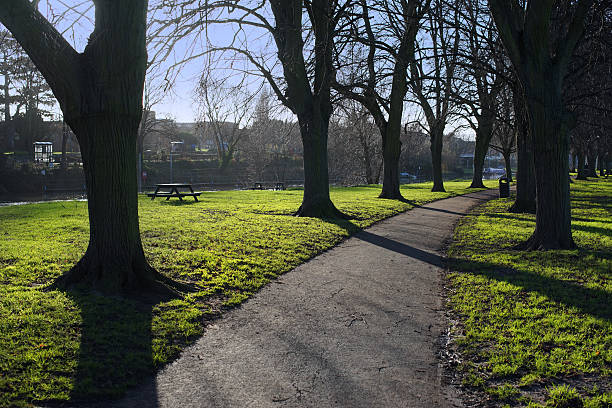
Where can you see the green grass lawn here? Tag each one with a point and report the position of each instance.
(69, 345)
(535, 328)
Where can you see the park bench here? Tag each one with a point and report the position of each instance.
(173, 191)
(268, 185)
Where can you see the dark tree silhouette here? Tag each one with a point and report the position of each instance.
(392, 33)
(100, 94)
(432, 77)
(540, 54)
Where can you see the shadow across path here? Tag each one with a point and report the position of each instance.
(400, 248)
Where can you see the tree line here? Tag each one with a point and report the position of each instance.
(528, 75)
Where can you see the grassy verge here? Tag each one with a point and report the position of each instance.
(535, 328)
(56, 346)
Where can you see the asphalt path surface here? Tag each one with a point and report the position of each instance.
(357, 326)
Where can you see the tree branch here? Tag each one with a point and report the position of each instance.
(51, 53)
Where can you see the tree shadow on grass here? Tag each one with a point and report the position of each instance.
(115, 350)
(593, 301)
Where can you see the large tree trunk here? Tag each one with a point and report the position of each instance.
(484, 133)
(582, 173)
(114, 261)
(437, 138)
(100, 94)
(525, 201)
(391, 154)
(316, 201)
(551, 147)
(591, 161)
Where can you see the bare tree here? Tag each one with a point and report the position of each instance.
(269, 141)
(303, 33)
(100, 94)
(483, 67)
(225, 108)
(504, 129)
(355, 148)
(432, 76)
(387, 30)
(540, 54)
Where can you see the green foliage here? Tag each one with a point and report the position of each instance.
(70, 345)
(529, 318)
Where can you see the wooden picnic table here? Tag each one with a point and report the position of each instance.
(172, 190)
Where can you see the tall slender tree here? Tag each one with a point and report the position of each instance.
(432, 75)
(482, 67)
(525, 201)
(392, 32)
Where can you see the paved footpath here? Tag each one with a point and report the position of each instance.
(357, 326)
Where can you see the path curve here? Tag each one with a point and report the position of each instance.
(357, 326)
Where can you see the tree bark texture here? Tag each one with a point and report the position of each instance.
(525, 201)
(437, 139)
(582, 174)
(100, 94)
(391, 155)
(114, 260)
(316, 201)
(547, 125)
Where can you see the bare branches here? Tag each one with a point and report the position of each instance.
(54, 57)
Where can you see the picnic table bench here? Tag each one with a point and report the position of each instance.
(172, 190)
(262, 185)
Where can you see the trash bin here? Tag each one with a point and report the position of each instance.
(504, 187)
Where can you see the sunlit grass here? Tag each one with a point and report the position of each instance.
(531, 320)
(57, 346)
